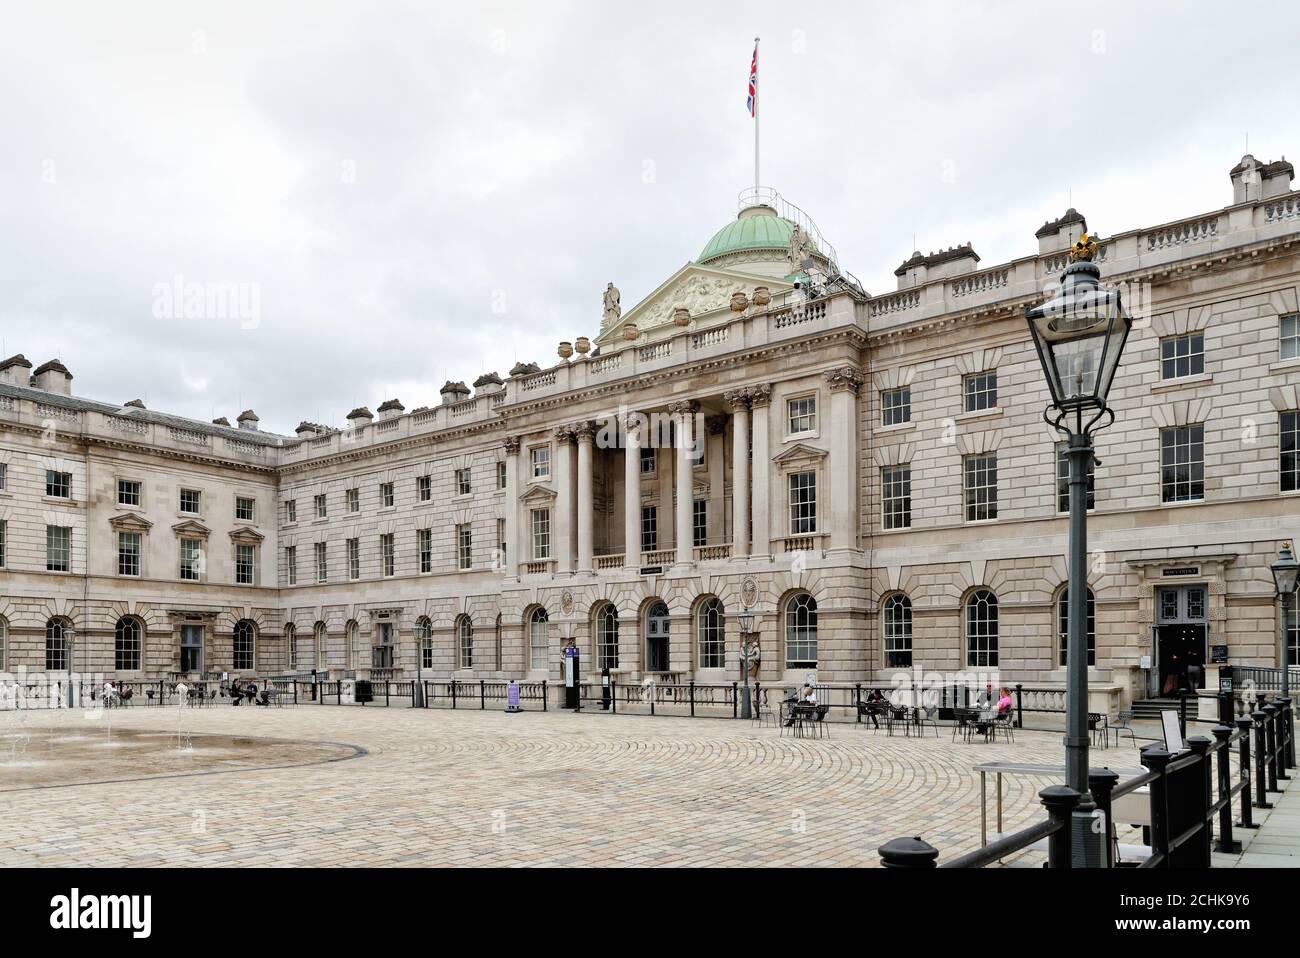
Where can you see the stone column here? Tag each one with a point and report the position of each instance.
(739, 400)
(632, 492)
(842, 463)
(716, 469)
(684, 418)
(563, 520)
(759, 399)
(586, 435)
(509, 563)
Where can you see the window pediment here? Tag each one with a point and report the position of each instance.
(539, 494)
(130, 522)
(246, 535)
(191, 529)
(800, 452)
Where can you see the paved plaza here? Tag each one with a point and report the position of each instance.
(374, 786)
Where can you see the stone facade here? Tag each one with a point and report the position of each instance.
(773, 428)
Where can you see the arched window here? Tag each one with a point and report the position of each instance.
(982, 629)
(322, 648)
(126, 646)
(538, 639)
(801, 632)
(710, 632)
(424, 641)
(243, 646)
(898, 631)
(607, 636)
(56, 645)
(497, 637)
(351, 633)
(1063, 625)
(465, 641)
(291, 644)
(4, 645)
(657, 625)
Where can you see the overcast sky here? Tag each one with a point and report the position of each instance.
(424, 191)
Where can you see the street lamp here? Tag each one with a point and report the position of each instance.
(1079, 334)
(746, 647)
(1285, 571)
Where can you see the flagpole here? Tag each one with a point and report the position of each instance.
(756, 180)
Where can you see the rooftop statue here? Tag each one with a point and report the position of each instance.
(612, 309)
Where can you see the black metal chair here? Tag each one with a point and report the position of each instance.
(1125, 724)
(1004, 724)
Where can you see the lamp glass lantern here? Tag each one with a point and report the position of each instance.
(747, 622)
(1079, 334)
(1285, 569)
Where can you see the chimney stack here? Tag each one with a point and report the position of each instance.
(53, 377)
(248, 420)
(16, 371)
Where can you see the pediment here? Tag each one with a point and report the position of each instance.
(191, 529)
(704, 290)
(538, 493)
(800, 451)
(246, 534)
(130, 522)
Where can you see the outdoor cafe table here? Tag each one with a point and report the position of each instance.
(799, 713)
(1022, 768)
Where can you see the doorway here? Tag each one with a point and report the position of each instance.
(1181, 632)
(192, 648)
(656, 638)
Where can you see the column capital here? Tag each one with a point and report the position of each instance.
(511, 444)
(844, 378)
(585, 430)
(633, 421)
(684, 407)
(716, 425)
(565, 433)
(760, 394)
(737, 398)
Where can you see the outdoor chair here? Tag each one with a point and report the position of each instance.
(897, 715)
(1005, 725)
(818, 720)
(1097, 726)
(925, 716)
(1125, 724)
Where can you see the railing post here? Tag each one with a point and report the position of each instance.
(735, 699)
(1156, 758)
(1182, 713)
(1288, 728)
(907, 853)
(1222, 750)
(857, 700)
(1261, 779)
(1282, 724)
(1101, 782)
(1243, 726)
(1270, 739)
(613, 696)
(482, 694)
(692, 694)
(1200, 746)
(546, 704)
(1020, 705)
(1060, 801)
(338, 692)
(452, 684)
(295, 691)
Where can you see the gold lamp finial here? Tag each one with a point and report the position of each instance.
(1083, 250)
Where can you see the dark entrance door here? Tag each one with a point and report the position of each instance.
(656, 638)
(1180, 638)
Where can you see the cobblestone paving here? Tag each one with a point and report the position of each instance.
(436, 787)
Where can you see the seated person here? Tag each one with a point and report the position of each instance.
(1004, 703)
(807, 695)
(875, 704)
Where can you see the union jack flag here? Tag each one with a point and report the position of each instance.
(753, 83)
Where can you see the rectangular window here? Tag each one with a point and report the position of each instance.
(1288, 341)
(354, 559)
(321, 510)
(424, 545)
(386, 500)
(803, 503)
(540, 457)
(1290, 444)
(353, 497)
(647, 460)
(58, 549)
(128, 492)
(464, 547)
(4, 535)
(541, 519)
(500, 562)
(244, 509)
(322, 563)
(649, 528)
(501, 475)
(802, 414)
(462, 482)
(291, 564)
(981, 391)
(4, 475)
(700, 522)
(1182, 356)
(981, 487)
(381, 653)
(291, 510)
(1063, 478)
(191, 559)
(128, 553)
(58, 484)
(191, 501)
(896, 406)
(896, 496)
(1182, 464)
(424, 488)
(244, 563)
(387, 555)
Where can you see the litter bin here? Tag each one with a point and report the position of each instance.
(364, 692)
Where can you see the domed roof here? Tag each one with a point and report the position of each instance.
(756, 228)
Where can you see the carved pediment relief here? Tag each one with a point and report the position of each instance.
(191, 529)
(130, 522)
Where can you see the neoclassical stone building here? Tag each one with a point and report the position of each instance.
(870, 475)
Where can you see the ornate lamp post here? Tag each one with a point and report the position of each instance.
(1079, 335)
(746, 650)
(1285, 570)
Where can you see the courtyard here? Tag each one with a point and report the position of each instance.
(323, 785)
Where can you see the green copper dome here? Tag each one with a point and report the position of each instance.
(756, 228)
